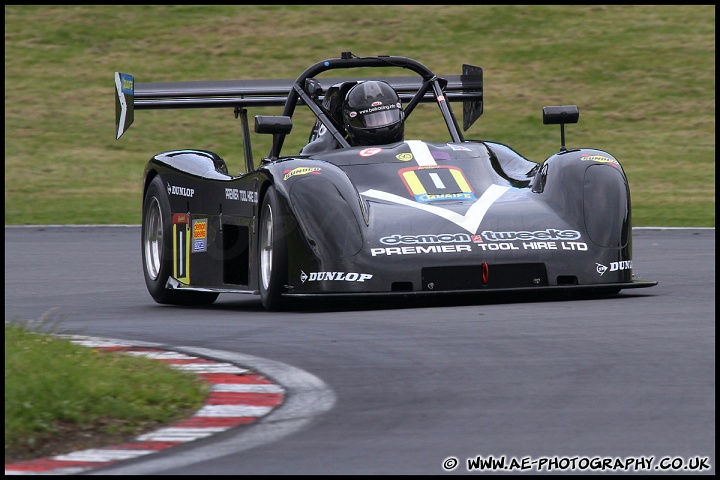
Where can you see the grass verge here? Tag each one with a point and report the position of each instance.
(61, 397)
(643, 77)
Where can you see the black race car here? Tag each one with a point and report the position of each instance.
(410, 217)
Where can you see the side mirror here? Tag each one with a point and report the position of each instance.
(561, 115)
(276, 124)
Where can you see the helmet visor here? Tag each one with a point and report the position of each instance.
(382, 118)
(374, 117)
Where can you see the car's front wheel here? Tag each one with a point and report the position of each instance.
(272, 252)
(157, 250)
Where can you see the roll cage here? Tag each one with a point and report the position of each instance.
(467, 88)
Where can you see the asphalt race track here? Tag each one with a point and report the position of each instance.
(409, 385)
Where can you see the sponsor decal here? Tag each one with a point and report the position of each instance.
(614, 266)
(423, 239)
(240, 195)
(547, 234)
(334, 276)
(377, 107)
(434, 183)
(199, 246)
(470, 221)
(441, 241)
(548, 239)
(420, 250)
(179, 218)
(463, 238)
(301, 171)
(459, 148)
(199, 236)
(430, 197)
(497, 246)
(181, 191)
(474, 215)
(199, 229)
(579, 246)
(369, 152)
(599, 158)
(127, 84)
(404, 157)
(573, 245)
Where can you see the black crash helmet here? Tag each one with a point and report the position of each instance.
(372, 114)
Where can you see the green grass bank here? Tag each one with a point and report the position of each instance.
(643, 77)
(61, 397)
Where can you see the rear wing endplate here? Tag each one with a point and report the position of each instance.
(124, 102)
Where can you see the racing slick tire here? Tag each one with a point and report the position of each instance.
(272, 252)
(157, 250)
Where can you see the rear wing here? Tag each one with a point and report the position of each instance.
(239, 94)
(424, 87)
